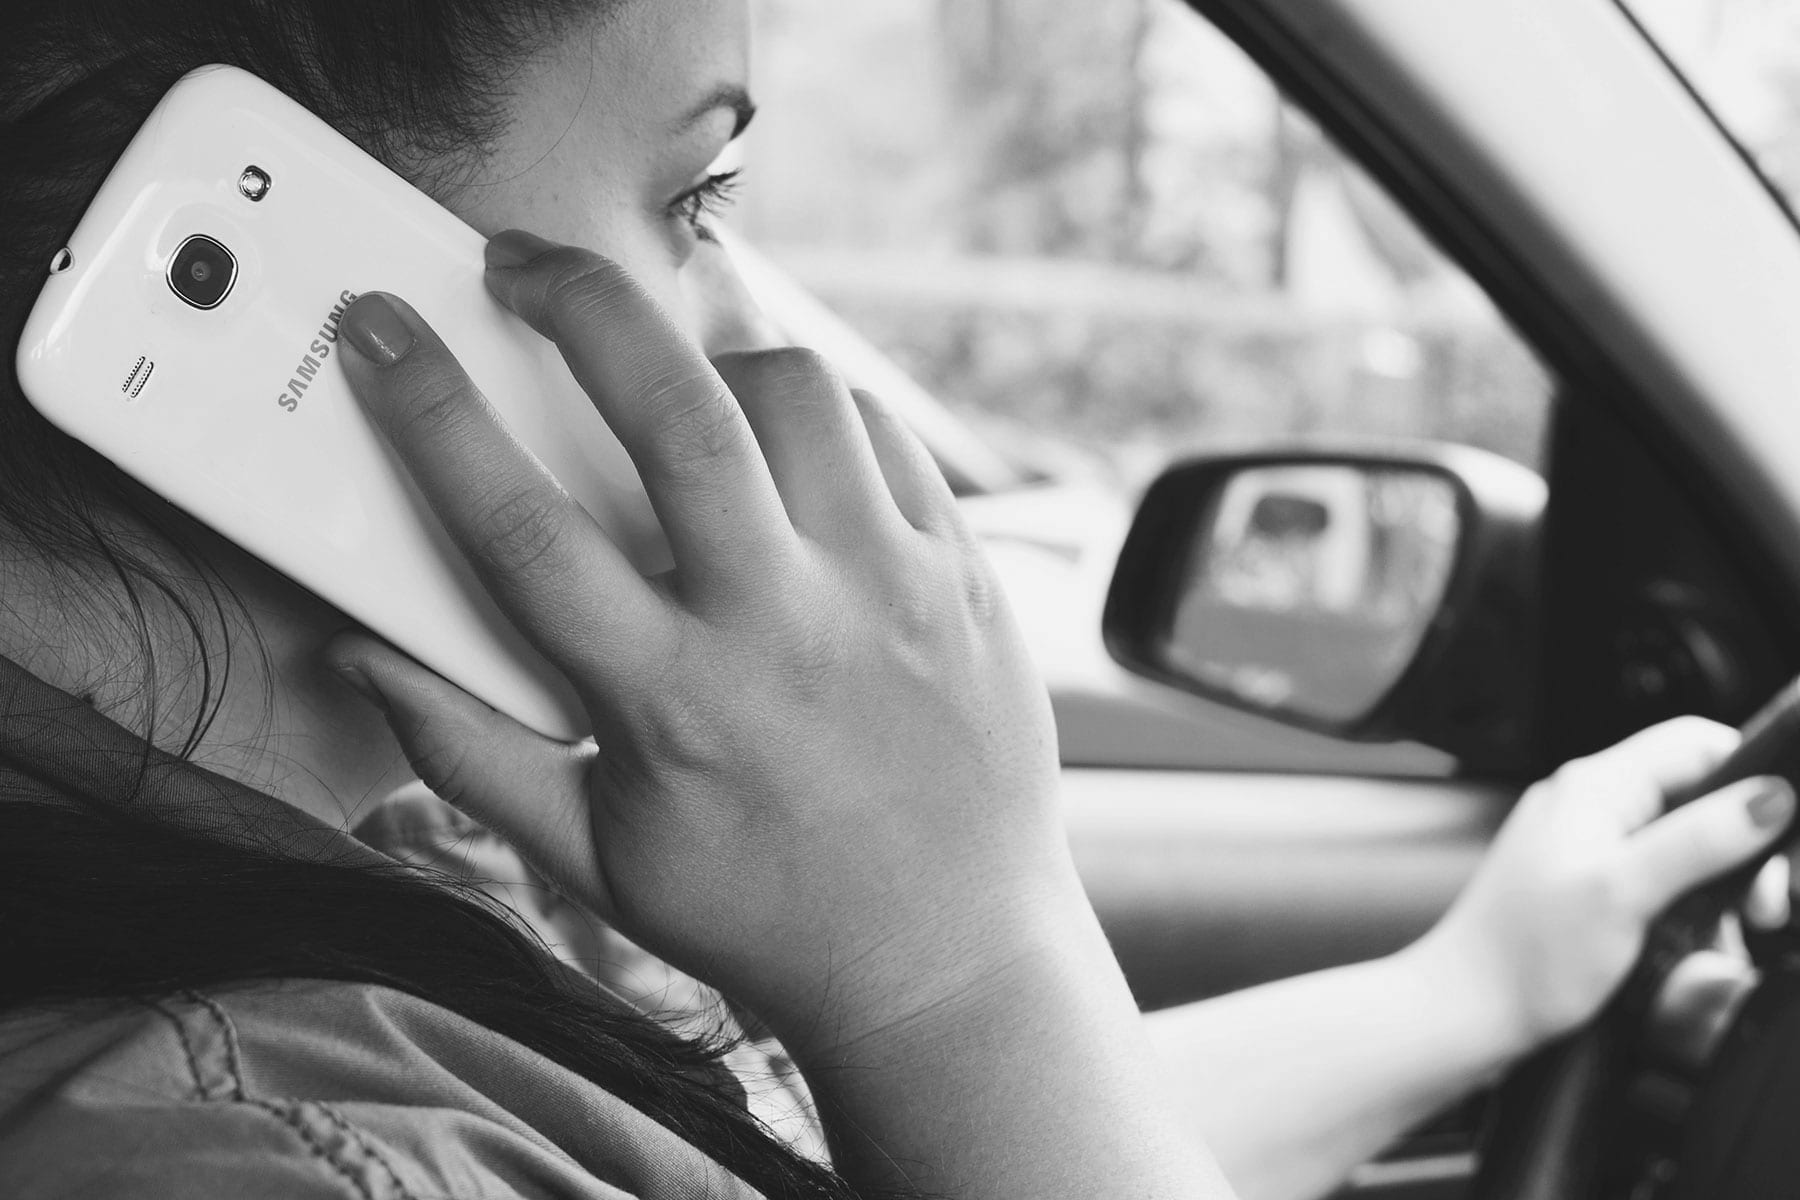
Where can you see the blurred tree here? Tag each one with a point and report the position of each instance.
(1055, 132)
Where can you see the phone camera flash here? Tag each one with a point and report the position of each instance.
(254, 183)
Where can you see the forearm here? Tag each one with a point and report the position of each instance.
(1040, 1085)
(1295, 1083)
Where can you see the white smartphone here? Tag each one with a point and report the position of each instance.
(189, 334)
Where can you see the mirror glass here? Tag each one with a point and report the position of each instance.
(1309, 587)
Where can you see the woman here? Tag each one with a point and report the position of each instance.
(211, 989)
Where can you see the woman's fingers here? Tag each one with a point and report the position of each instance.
(1633, 778)
(551, 569)
(812, 437)
(1702, 840)
(682, 426)
(530, 790)
(913, 477)
(1769, 904)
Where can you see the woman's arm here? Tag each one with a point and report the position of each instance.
(1041, 1082)
(1295, 1083)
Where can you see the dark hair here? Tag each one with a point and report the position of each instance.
(98, 902)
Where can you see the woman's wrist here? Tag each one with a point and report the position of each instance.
(1474, 1009)
(942, 980)
(1038, 1077)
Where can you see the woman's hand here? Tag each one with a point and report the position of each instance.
(824, 758)
(1557, 913)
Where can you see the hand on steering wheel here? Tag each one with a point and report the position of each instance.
(1558, 911)
(1622, 870)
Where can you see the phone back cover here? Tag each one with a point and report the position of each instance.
(241, 416)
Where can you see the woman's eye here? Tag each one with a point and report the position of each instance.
(713, 196)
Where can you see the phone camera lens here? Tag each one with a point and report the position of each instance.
(202, 271)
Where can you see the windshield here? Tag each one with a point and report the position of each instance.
(1743, 57)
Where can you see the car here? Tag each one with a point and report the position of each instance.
(1547, 148)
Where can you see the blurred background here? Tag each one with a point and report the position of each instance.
(1097, 234)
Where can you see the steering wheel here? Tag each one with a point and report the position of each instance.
(1567, 1123)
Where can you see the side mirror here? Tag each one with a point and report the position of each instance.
(1381, 597)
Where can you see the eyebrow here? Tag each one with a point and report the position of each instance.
(728, 96)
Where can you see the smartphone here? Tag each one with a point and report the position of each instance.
(189, 333)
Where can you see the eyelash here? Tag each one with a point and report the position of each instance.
(714, 195)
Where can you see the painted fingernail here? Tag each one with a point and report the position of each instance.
(374, 327)
(515, 248)
(1773, 805)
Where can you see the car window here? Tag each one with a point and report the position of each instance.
(1096, 232)
(1098, 236)
(1743, 57)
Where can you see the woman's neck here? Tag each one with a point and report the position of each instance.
(271, 715)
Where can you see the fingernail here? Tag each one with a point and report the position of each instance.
(515, 248)
(1773, 805)
(358, 682)
(374, 327)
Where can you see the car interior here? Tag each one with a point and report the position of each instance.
(1231, 835)
(1656, 596)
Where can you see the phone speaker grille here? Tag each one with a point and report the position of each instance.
(137, 378)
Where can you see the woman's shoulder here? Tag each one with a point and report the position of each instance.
(311, 1088)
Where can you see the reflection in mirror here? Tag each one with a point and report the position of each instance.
(1309, 587)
